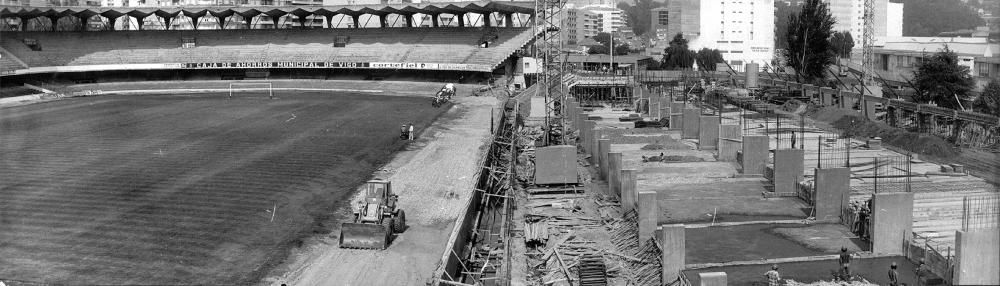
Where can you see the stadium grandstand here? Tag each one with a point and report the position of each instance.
(486, 44)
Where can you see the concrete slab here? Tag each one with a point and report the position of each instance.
(556, 165)
(725, 200)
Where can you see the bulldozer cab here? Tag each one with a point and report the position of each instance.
(379, 191)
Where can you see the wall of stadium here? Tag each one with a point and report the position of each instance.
(255, 65)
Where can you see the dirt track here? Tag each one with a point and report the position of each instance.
(180, 189)
(433, 178)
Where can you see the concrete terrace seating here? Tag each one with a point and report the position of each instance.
(430, 45)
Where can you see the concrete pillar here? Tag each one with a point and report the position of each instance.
(826, 97)
(141, 21)
(892, 222)
(977, 257)
(195, 20)
(461, 19)
(713, 279)
(113, 20)
(755, 154)
(708, 132)
(604, 145)
(487, 19)
(434, 20)
(357, 21)
(54, 20)
(589, 142)
(750, 75)
(677, 107)
(382, 21)
(832, 191)
(614, 172)
(788, 168)
(509, 20)
(729, 142)
(409, 20)
(274, 20)
(869, 109)
(627, 185)
(672, 243)
(302, 21)
(956, 129)
(649, 213)
(691, 123)
(329, 21)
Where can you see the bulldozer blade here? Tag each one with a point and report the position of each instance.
(363, 236)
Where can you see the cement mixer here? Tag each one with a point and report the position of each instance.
(376, 218)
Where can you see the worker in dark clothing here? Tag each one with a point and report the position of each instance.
(845, 259)
(893, 275)
(922, 272)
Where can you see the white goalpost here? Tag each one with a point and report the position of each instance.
(251, 89)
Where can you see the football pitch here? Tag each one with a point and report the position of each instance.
(172, 189)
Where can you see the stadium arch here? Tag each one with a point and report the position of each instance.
(482, 42)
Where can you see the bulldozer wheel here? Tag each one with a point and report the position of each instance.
(389, 224)
(400, 221)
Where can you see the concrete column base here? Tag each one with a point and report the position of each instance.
(627, 185)
(755, 154)
(708, 133)
(691, 123)
(672, 243)
(832, 192)
(649, 215)
(892, 222)
(788, 168)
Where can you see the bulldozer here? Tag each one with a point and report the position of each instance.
(376, 218)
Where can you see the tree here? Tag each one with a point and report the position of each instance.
(707, 58)
(989, 101)
(677, 55)
(782, 10)
(605, 44)
(808, 40)
(841, 43)
(940, 79)
(639, 15)
(927, 18)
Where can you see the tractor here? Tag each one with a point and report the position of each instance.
(376, 218)
(444, 95)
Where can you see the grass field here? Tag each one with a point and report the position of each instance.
(179, 189)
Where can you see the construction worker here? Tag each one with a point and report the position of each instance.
(921, 273)
(403, 133)
(845, 259)
(893, 275)
(773, 277)
(410, 133)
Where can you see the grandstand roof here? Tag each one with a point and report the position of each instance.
(481, 7)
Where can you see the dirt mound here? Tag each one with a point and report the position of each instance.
(858, 127)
